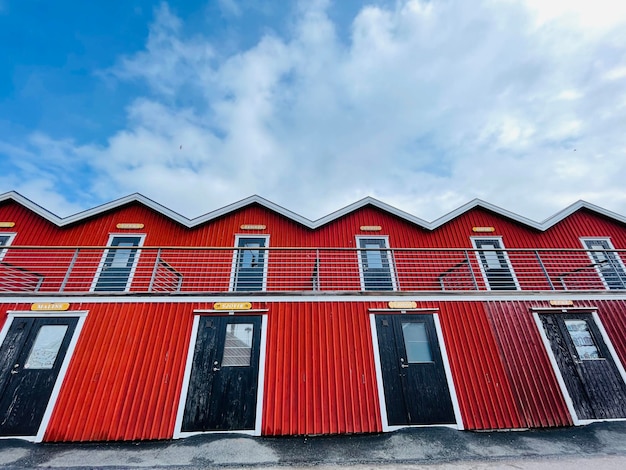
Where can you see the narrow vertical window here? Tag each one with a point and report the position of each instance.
(250, 264)
(375, 264)
(607, 262)
(118, 264)
(5, 240)
(494, 264)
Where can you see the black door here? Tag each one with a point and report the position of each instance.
(224, 375)
(495, 264)
(590, 375)
(118, 265)
(250, 268)
(375, 264)
(414, 378)
(30, 359)
(608, 264)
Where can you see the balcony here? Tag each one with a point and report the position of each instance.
(212, 270)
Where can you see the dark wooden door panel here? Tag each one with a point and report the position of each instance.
(224, 376)
(31, 358)
(414, 379)
(591, 376)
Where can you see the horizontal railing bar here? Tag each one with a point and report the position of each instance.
(310, 249)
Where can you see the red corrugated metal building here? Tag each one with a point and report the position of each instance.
(128, 321)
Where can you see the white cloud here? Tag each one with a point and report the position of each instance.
(425, 106)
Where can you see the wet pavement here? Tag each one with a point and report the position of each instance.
(601, 445)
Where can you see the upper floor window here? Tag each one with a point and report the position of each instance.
(607, 263)
(118, 263)
(5, 240)
(495, 265)
(375, 264)
(249, 271)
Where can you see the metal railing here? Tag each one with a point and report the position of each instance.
(217, 270)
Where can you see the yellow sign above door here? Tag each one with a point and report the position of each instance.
(232, 306)
(49, 306)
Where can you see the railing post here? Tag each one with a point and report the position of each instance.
(545, 271)
(471, 270)
(394, 269)
(316, 271)
(613, 261)
(69, 270)
(154, 270)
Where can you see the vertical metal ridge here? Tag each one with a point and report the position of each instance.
(484, 393)
(613, 317)
(115, 388)
(328, 379)
(530, 371)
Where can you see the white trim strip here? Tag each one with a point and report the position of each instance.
(546, 224)
(404, 310)
(379, 376)
(186, 376)
(261, 379)
(484, 296)
(609, 345)
(231, 312)
(446, 365)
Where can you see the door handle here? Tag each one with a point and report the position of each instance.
(402, 364)
(14, 370)
(216, 366)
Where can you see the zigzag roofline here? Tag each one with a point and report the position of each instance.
(190, 223)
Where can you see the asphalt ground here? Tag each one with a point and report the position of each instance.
(599, 445)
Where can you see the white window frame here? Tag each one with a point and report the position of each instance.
(11, 236)
(583, 240)
(142, 238)
(387, 249)
(234, 264)
(506, 258)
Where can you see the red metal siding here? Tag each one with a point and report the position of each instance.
(530, 372)
(524, 354)
(485, 396)
(125, 377)
(613, 317)
(320, 376)
(161, 231)
(33, 230)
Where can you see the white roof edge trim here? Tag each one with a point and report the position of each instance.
(190, 223)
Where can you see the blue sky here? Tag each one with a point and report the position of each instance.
(315, 104)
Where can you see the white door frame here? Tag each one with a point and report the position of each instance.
(81, 315)
(178, 433)
(555, 367)
(446, 365)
